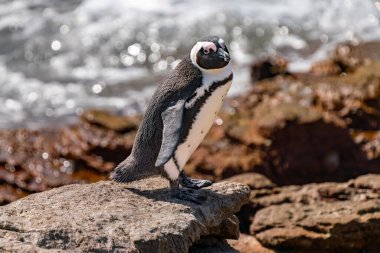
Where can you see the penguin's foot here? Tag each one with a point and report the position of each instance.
(186, 194)
(189, 195)
(193, 183)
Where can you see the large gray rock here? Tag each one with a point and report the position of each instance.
(107, 216)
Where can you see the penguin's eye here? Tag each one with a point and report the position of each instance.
(206, 51)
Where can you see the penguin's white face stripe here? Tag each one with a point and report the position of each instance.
(201, 44)
(171, 169)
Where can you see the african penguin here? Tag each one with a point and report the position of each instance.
(180, 113)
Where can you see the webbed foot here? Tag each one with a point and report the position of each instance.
(193, 183)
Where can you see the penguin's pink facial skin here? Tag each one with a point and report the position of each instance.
(208, 46)
(210, 53)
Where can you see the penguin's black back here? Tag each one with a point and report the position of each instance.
(181, 83)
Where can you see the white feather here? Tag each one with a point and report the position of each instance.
(171, 169)
(209, 77)
(201, 125)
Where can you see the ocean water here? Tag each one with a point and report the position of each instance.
(59, 57)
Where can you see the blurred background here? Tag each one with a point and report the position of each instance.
(58, 58)
(76, 76)
(301, 125)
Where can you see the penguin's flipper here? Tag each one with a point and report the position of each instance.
(172, 120)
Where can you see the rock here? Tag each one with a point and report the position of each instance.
(268, 68)
(326, 150)
(110, 121)
(370, 182)
(37, 160)
(347, 57)
(107, 216)
(329, 217)
(9, 193)
(350, 56)
(259, 185)
(212, 245)
(248, 244)
(293, 123)
(253, 180)
(325, 68)
(331, 226)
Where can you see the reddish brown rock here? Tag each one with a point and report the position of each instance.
(331, 226)
(350, 56)
(10, 193)
(34, 161)
(329, 217)
(347, 57)
(268, 68)
(255, 181)
(110, 121)
(248, 244)
(313, 152)
(304, 127)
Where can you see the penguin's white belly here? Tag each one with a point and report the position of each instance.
(202, 124)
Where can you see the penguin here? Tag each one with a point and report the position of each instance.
(179, 115)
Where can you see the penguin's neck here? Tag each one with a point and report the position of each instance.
(208, 78)
(215, 75)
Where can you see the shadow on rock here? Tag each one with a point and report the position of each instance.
(165, 194)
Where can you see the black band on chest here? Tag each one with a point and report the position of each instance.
(191, 113)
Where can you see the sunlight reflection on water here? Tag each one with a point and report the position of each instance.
(57, 57)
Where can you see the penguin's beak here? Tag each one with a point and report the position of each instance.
(223, 55)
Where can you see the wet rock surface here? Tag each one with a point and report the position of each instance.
(107, 216)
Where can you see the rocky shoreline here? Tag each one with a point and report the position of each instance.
(294, 132)
(324, 217)
(111, 217)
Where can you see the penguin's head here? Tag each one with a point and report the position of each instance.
(210, 53)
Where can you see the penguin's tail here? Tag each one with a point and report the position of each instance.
(127, 171)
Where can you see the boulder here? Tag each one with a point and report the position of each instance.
(249, 244)
(37, 160)
(108, 216)
(255, 181)
(268, 68)
(110, 121)
(327, 217)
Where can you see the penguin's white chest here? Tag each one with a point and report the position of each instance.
(202, 124)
